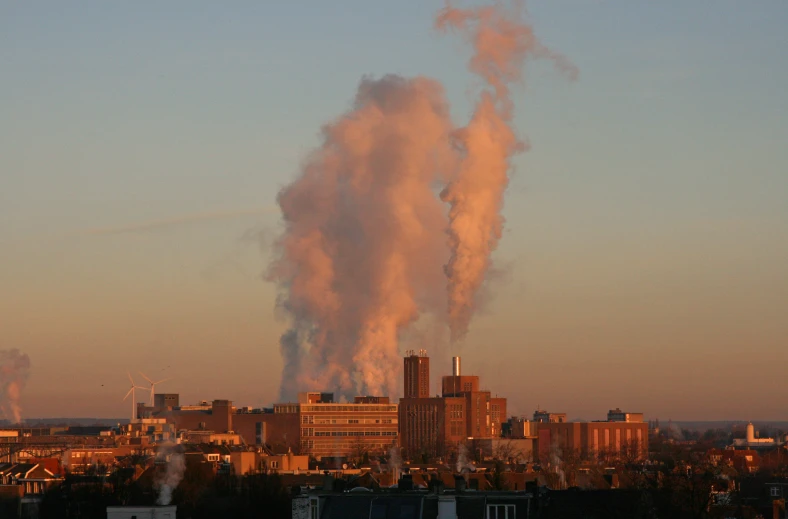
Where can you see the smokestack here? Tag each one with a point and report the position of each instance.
(455, 366)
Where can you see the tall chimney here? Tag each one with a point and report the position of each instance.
(455, 366)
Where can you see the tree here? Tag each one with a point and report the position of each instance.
(360, 450)
(497, 480)
(509, 451)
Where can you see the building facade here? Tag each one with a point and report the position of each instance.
(497, 416)
(593, 439)
(478, 420)
(349, 430)
(431, 426)
(453, 385)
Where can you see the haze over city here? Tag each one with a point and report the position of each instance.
(643, 262)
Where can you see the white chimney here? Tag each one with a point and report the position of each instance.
(750, 433)
(455, 366)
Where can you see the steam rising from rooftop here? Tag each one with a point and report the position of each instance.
(167, 481)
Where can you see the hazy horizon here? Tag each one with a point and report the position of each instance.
(643, 264)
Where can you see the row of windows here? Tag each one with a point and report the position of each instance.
(286, 408)
(311, 419)
(355, 433)
(355, 408)
(421, 409)
(310, 431)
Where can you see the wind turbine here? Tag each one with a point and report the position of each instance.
(133, 397)
(153, 385)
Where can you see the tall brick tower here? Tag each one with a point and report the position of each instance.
(417, 374)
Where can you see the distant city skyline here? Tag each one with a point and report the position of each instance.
(643, 263)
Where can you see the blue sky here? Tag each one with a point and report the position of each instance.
(646, 229)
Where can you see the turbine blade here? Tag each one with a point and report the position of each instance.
(160, 381)
(146, 378)
(132, 380)
(127, 394)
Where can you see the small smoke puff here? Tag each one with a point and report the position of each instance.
(14, 372)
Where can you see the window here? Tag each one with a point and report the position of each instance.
(500, 512)
(775, 491)
(313, 510)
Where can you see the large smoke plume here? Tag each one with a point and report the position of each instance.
(363, 254)
(14, 371)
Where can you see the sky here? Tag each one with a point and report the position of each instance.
(644, 263)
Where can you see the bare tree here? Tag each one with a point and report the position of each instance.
(509, 451)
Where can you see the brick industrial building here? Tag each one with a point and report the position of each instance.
(433, 425)
(623, 434)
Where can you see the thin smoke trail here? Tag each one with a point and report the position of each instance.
(502, 42)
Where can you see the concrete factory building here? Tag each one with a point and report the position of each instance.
(328, 428)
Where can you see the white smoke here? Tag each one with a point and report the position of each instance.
(556, 464)
(501, 40)
(14, 371)
(361, 256)
(463, 461)
(166, 483)
(395, 462)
